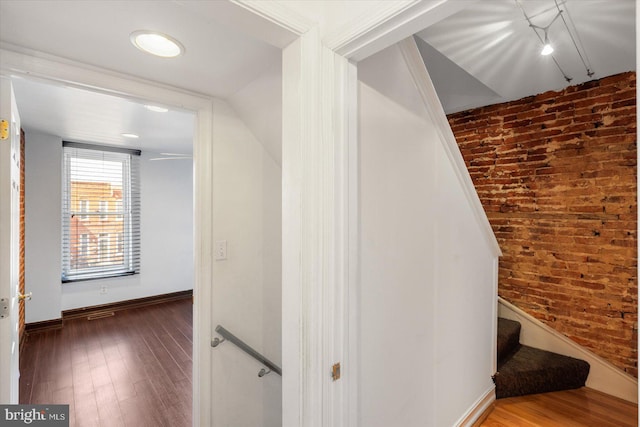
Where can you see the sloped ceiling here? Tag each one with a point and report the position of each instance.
(259, 105)
(489, 52)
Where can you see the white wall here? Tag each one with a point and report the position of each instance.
(426, 272)
(43, 240)
(167, 250)
(397, 327)
(259, 105)
(247, 285)
(464, 300)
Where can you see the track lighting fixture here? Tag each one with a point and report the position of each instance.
(547, 47)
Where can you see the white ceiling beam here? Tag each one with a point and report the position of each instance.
(389, 24)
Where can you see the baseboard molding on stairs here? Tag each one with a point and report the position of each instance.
(604, 376)
(479, 411)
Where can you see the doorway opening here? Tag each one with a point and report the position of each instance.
(125, 349)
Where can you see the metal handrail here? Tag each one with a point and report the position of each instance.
(228, 336)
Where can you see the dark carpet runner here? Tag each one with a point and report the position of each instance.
(526, 370)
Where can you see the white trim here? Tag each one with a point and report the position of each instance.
(293, 323)
(388, 23)
(203, 263)
(58, 70)
(275, 13)
(341, 115)
(437, 115)
(38, 65)
(478, 408)
(352, 326)
(494, 325)
(316, 222)
(603, 375)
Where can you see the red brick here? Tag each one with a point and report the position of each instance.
(556, 174)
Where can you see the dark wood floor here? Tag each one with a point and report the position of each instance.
(132, 369)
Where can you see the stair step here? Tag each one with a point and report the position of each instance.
(530, 370)
(508, 337)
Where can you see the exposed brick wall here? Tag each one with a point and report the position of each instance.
(556, 173)
(21, 238)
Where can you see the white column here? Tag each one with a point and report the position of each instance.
(318, 105)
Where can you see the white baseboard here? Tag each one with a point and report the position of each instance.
(603, 375)
(478, 408)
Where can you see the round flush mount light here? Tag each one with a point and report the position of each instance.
(156, 108)
(156, 43)
(130, 135)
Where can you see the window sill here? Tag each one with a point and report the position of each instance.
(102, 276)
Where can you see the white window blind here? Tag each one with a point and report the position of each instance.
(100, 212)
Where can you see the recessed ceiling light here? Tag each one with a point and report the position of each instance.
(156, 108)
(157, 43)
(130, 135)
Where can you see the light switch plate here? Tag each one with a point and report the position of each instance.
(221, 250)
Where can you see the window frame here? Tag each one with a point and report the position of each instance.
(129, 216)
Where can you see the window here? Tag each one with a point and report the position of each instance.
(120, 247)
(84, 208)
(103, 248)
(83, 250)
(119, 209)
(103, 242)
(104, 207)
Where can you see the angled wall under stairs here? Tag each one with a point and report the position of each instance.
(427, 261)
(526, 370)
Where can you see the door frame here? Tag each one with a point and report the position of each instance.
(10, 187)
(55, 70)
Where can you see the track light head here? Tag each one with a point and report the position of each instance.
(547, 49)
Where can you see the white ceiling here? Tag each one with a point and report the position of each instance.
(484, 54)
(218, 61)
(487, 53)
(80, 115)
